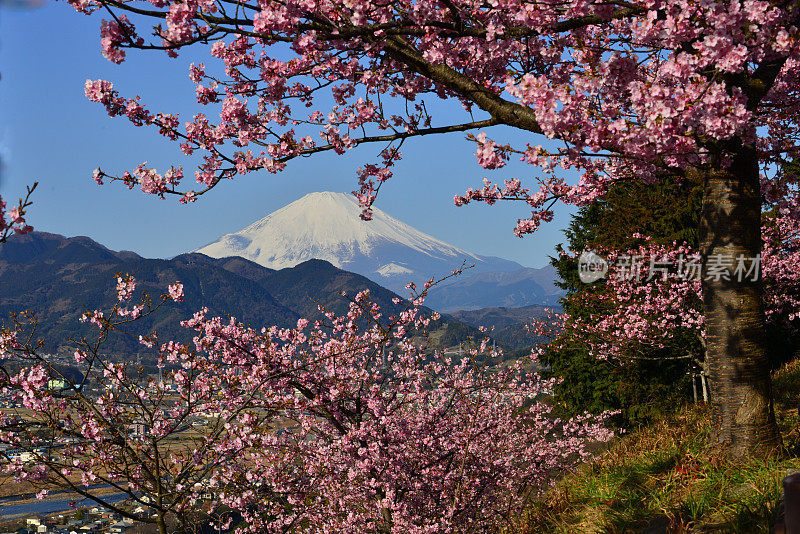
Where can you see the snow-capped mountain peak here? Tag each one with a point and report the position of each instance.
(328, 226)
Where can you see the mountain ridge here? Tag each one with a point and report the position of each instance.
(59, 278)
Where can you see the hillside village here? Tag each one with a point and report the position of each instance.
(93, 520)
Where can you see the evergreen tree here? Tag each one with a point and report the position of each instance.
(652, 381)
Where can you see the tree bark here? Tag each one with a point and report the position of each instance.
(730, 228)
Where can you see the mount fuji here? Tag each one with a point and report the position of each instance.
(327, 226)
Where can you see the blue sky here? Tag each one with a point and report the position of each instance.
(51, 133)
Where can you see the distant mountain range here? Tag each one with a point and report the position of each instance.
(386, 250)
(274, 271)
(59, 278)
(508, 324)
(519, 288)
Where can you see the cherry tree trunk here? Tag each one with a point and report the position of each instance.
(741, 397)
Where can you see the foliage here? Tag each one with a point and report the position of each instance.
(635, 91)
(654, 327)
(661, 309)
(342, 425)
(666, 477)
(639, 389)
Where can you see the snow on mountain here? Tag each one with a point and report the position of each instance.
(327, 226)
(392, 268)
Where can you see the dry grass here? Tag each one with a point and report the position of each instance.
(665, 478)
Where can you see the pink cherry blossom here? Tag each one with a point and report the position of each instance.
(176, 291)
(349, 425)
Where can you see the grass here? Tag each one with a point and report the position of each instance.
(665, 478)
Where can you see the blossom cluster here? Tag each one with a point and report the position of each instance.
(13, 220)
(342, 425)
(650, 311)
(631, 92)
(655, 307)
